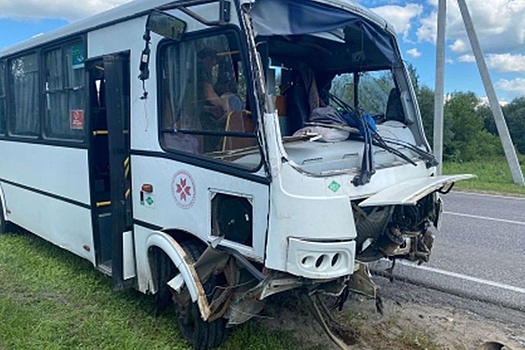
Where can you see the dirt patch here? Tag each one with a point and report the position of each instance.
(437, 321)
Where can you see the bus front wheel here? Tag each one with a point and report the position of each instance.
(199, 333)
(3, 223)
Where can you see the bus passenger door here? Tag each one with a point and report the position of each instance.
(109, 114)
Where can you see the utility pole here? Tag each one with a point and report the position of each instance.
(439, 93)
(501, 125)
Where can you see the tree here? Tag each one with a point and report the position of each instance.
(414, 77)
(466, 138)
(425, 99)
(514, 114)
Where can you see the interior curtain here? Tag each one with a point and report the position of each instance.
(64, 89)
(25, 119)
(181, 73)
(56, 106)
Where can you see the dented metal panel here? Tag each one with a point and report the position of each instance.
(184, 264)
(409, 192)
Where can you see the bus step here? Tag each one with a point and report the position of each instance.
(105, 268)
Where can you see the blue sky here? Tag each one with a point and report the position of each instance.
(500, 25)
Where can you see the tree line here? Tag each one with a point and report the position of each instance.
(469, 131)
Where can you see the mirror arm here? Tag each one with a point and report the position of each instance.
(144, 57)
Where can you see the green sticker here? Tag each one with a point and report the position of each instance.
(149, 200)
(78, 56)
(334, 186)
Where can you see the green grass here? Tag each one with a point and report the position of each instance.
(51, 299)
(493, 176)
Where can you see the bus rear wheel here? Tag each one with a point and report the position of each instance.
(199, 333)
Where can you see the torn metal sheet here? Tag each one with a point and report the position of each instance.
(409, 192)
(202, 301)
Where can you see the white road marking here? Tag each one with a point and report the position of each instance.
(489, 195)
(465, 277)
(486, 218)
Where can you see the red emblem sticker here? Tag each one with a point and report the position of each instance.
(77, 119)
(183, 189)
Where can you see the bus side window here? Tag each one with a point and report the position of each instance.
(25, 111)
(203, 99)
(2, 99)
(64, 91)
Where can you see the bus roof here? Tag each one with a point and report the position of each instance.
(138, 8)
(128, 10)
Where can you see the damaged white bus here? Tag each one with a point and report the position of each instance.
(214, 152)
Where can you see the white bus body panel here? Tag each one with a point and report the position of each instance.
(128, 255)
(65, 225)
(61, 172)
(166, 213)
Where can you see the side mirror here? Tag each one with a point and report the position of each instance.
(162, 24)
(166, 25)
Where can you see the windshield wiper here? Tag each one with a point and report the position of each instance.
(377, 140)
(380, 142)
(371, 137)
(426, 156)
(367, 163)
(366, 131)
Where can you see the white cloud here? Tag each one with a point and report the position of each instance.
(427, 30)
(415, 53)
(515, 87)
(484, 101)
(504, 63)
(64, 9)
(458, 46)
(507, 63)
(499, 24)
(467, 58)
(400, 16)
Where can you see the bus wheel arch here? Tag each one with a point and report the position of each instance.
(169, 258)
(200, 333)
(161, 245)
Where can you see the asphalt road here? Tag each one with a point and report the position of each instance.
(479, 252)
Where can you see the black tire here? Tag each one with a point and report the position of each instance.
(200, 334)
(3, 223)
(166, 271)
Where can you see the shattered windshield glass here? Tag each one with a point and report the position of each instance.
(373, 90)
